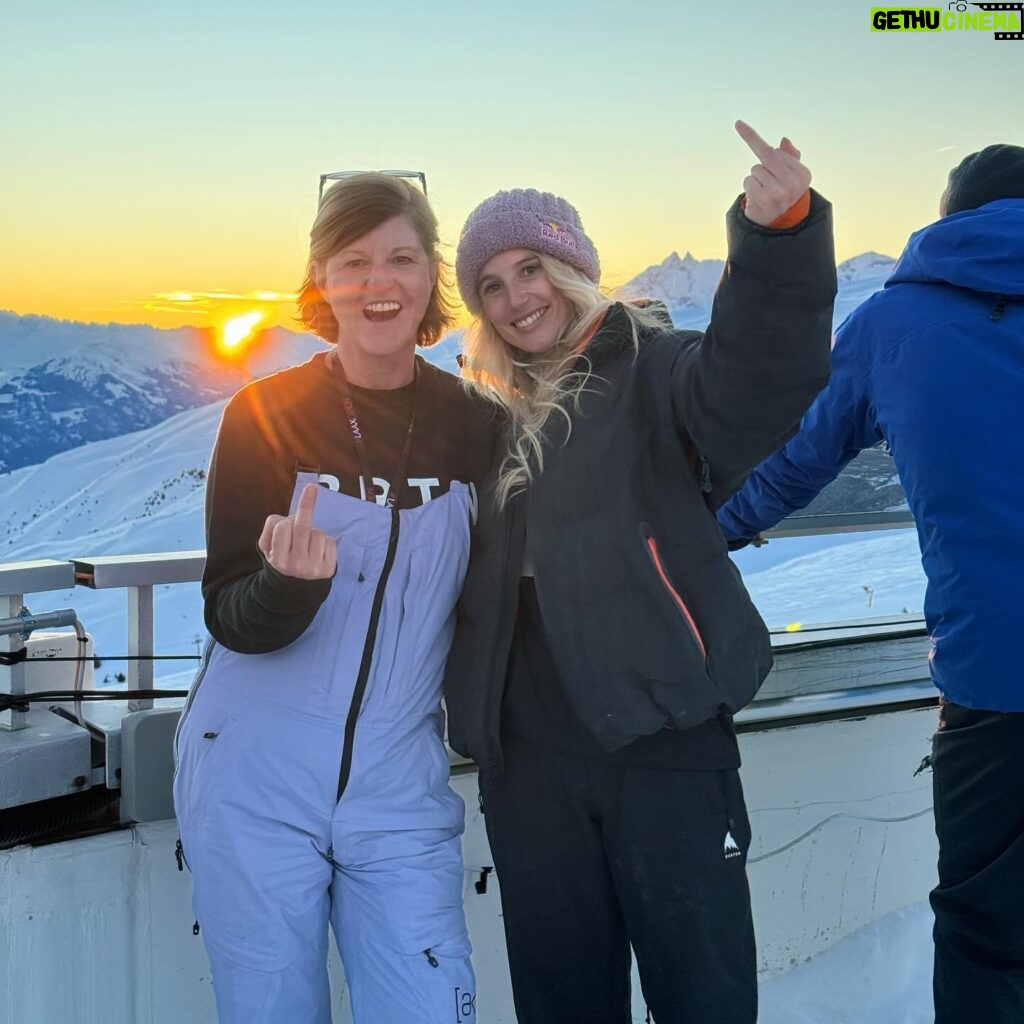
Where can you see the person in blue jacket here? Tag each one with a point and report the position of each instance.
(934, 366)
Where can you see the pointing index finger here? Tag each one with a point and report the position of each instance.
(307, 502)
(753, 140)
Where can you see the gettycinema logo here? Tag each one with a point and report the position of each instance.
(1004, 20)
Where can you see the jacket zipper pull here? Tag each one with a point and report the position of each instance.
(195, 927)
(431, 959)
(179, 855)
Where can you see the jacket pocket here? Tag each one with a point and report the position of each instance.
(666, 584)
(196, 776)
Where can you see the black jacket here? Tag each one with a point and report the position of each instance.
(647, 618)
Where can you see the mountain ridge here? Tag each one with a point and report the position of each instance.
(64, 383)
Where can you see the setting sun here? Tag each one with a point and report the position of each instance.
(238, 330)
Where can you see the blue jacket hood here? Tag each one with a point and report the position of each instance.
(981, 249)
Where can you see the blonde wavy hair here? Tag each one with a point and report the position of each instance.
(530, 387)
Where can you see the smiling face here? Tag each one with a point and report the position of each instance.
(520, 301)
(378, 288)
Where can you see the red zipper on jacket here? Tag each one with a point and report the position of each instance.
(652, 550)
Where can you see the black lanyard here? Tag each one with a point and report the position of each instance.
(398, 481)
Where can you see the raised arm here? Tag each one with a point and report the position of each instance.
(838, 425)
(740, 393)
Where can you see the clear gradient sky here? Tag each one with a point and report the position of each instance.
(155, 149)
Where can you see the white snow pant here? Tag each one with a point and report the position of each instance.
(272, 862)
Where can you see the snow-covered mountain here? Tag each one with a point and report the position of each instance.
(63, 384)
(687, 285)
(859, 278)
(140, 492)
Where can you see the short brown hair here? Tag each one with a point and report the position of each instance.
(348, 211)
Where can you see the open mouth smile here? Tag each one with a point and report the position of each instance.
(376, 312)
(528, 321)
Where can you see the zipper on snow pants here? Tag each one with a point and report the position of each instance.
(367, 660)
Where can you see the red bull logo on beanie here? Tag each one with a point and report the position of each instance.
(555, 232)
(1002, 19)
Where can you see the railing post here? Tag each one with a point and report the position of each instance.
(140, 642)
(12, 677)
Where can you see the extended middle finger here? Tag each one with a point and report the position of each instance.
(752, 139)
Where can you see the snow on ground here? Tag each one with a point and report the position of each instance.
(879, 975)
(828, 584)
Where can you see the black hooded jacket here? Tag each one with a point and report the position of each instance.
(648, 621)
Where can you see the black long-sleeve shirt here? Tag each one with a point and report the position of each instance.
(291, 421)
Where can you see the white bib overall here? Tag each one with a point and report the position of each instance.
(311, 786)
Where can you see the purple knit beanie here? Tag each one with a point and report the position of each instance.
(521, 218)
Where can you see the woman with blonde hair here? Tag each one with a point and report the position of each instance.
(605, 639)
(312, 778)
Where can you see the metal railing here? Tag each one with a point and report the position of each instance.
(139, 574)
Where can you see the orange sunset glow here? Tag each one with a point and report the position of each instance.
(180, 230)
(237, 331)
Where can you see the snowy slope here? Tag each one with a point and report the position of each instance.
(63, 384)
(139, 493)
(144, 493)
(136, 493)
(828, 584)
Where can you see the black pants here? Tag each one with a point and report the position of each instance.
(593, 857)
(978, 780)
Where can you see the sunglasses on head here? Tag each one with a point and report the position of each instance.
(341, 175)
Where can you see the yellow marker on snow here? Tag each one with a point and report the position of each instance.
(794, 627)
